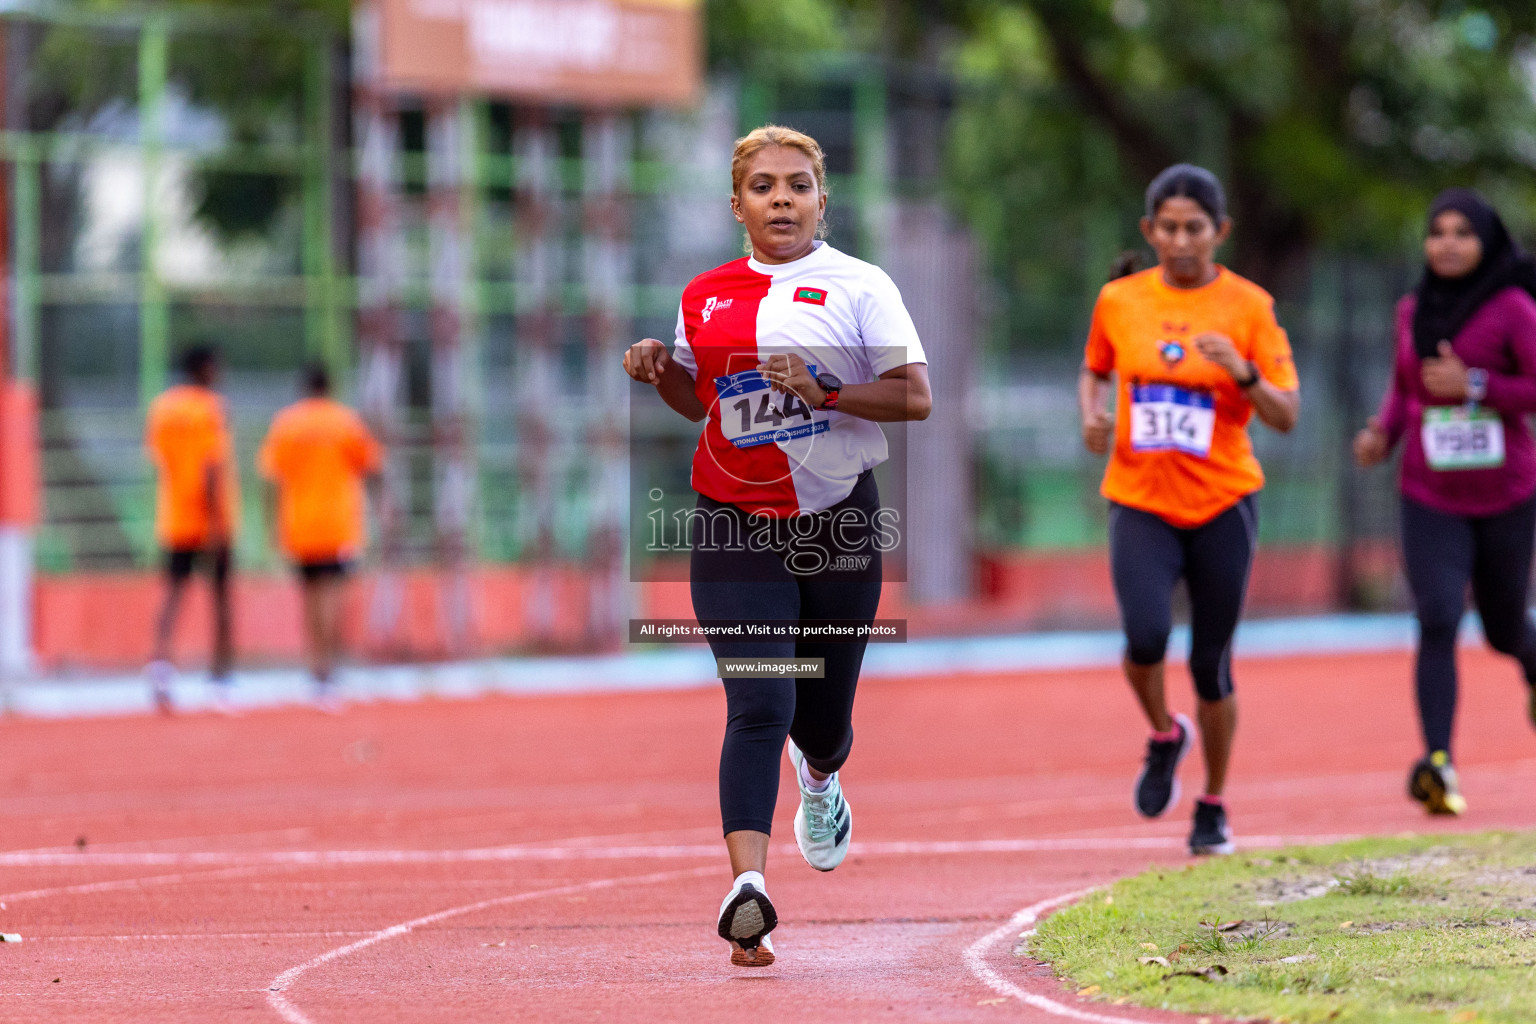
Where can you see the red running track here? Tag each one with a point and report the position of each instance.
(558, 858)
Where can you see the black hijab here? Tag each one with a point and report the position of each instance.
(1447, 303)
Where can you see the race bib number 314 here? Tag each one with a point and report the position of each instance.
(752, 413)
(1456, 437)
(1166, 418)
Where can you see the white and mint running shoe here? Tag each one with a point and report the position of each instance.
(746, 918)
(824, 822)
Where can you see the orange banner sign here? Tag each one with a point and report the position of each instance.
(603, 53)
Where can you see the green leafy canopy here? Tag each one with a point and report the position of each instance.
(1332, 121)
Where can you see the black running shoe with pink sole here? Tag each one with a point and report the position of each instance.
(1157, 787)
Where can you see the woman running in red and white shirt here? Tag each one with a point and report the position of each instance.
(791, 356)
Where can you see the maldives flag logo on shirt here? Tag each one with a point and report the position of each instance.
(815, 296)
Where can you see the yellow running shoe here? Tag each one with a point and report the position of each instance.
(1432, 782)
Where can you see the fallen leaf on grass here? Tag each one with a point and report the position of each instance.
(1213, 973)
(1109, 901)
(1161, 961)
(1091, 990)
(991, 1002)
(1465, 1016)
(1149, 945)
(1298, 958)
(1346, 924)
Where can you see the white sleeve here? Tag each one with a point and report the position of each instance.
(682, 351)
(885, 326)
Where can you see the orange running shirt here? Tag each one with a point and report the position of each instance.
(1181, 426)
(185, 434)
(317, 453)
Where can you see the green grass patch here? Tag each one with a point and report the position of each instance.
(1432, 929)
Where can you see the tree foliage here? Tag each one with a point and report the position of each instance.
(1332, 121)
(79, 74)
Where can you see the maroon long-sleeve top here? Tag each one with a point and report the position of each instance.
(1500, 338)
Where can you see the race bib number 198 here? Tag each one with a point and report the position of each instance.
(752, 413)
(1166, 418)
(1456, 437)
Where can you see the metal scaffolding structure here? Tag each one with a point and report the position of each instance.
(535, 187)
(450, 184)
(606, 144)
(381, 279)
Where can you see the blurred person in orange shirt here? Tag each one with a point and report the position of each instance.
(188, 439)
(1198, 354)
(316, 459)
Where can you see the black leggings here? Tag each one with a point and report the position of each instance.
(1147, 557)
(1443, 553)
(741, 569)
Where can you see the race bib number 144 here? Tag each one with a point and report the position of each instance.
(1166, 418)
(752, 413)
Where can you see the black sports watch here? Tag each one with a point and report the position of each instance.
(1253, 377)
(832, 386)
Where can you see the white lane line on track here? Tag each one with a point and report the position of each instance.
(127, 845)
(198, 937)
(280, 984)
(975, 958)
(324, 858)
(127, 883)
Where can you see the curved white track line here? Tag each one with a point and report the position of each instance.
(285, 1008)
(975, 959)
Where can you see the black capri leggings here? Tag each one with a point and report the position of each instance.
(1442, 553)
(784, 570)
(1147, 557)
